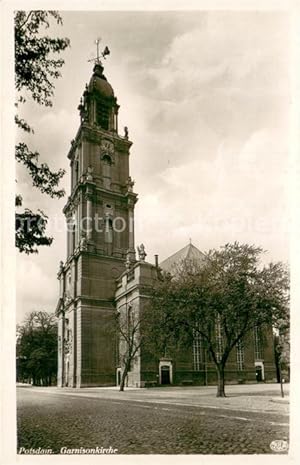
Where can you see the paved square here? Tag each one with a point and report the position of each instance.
(170, 420)
(153, 421)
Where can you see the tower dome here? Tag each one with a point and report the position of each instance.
(99, 84)
(98, 105)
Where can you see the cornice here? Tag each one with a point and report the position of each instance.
(135, 287)
(96, 135)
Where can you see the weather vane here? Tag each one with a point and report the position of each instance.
(105, 52)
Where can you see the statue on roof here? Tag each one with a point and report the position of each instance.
(141, 252)
(83, 242)
(130, 184)
(89, 174)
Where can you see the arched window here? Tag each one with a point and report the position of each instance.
(108, 231)
(197, 351)
(240, 355)
(106, 165)
(71, 235)
(219, 343)
(106, 171)
(258, 346)
(129, 318)
(103, 115)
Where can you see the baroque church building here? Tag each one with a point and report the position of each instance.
(102, 276)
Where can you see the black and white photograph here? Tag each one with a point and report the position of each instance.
(152, 188)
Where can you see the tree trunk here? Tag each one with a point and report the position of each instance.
(281, 381)
(122, 383)
(221, 381)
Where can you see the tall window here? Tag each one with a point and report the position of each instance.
(130, 332)
(106, 171)
(108, 231)
(197, 351)
(73, 238)
(68, 283)
(219, 339)
(258, 347)
(76, 171)
(240, 355)
(72, 230)
(129, 318)
(103, 115)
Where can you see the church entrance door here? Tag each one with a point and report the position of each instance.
(119, 376)
(165, 374)
(258, 370)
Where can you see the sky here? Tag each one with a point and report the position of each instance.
(206, 98)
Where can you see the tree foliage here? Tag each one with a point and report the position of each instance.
(30, 231)
(37, 349)
(36, 66)
(224, 299)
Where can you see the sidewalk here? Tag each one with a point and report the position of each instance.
(252, 398)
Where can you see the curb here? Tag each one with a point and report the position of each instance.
(280, 400)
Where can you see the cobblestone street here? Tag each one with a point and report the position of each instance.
(153, 421)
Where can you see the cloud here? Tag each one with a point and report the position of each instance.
(239, 195)
(37, 287)
(242, 48)
(226, 78)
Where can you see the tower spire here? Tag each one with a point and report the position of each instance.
(105, 52)
(97, 41)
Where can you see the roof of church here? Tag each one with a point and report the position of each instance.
(188, 253)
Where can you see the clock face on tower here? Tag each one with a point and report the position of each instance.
(107, 145)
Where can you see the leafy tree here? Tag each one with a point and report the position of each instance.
(37, 349)
(129, 326)
(35, 69)
(222, 300)
(133, 334)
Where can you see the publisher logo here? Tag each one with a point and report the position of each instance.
(279, 445)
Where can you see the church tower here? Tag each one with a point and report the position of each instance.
(100, 239)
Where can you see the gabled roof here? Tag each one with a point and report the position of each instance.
(189, 253)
